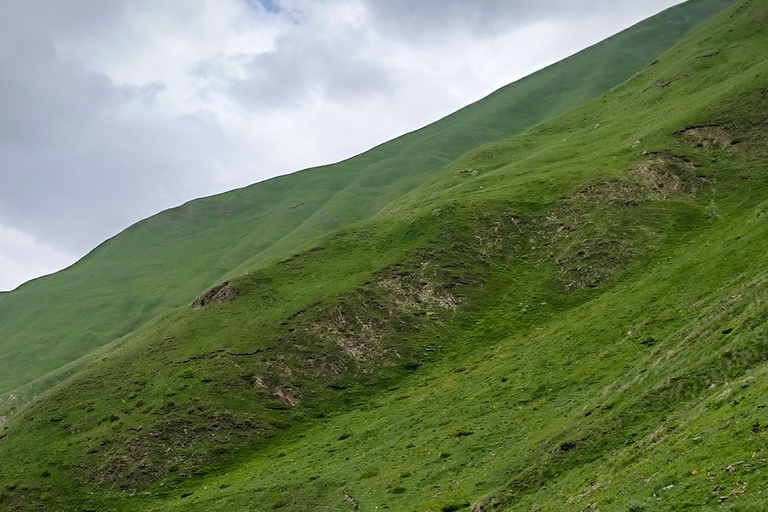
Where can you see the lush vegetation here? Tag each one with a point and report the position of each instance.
(571, 319)
(167, 260)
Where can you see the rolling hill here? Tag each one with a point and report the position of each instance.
(48, 325)
(569, 319)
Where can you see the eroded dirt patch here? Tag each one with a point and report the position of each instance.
(668, 176)
(592, 234)
(359, 324)
(286, 397)
(743, 138)
(714, 136)
(222, 294)
(168, 446)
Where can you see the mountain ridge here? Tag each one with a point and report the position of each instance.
(139, 273)
(565, 320)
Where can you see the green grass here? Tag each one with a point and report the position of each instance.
(571, 317)
(167, 260)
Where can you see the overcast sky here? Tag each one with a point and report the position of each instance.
(113, 110)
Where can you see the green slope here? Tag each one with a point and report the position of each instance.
(572, 319)
(169, 259)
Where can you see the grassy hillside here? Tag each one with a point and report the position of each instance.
(169, 259)
(572, 319)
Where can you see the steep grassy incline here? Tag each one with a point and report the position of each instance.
(167, 260)
(572, 319)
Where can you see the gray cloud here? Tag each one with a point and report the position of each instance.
(329, 65)
(428, 19)
(79, 158)
(74, 17)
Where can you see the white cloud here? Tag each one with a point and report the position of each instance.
(22, 258)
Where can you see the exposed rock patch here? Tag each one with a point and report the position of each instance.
(285, 397)
(222, 294)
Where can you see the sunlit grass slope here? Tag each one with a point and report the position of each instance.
(572, 319)
(169, 259)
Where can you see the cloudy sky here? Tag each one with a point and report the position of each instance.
(112, 110)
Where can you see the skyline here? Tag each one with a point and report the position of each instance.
(116, 111)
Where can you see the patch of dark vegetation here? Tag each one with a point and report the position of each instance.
(412, 365)
(370, 473)
(168, 446)
(296, 260)
(636, 506)
(454, 507)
